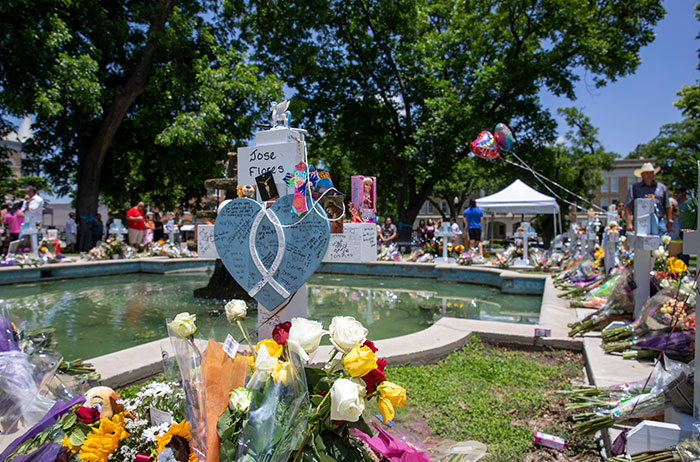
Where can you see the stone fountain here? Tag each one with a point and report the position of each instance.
(221, 285)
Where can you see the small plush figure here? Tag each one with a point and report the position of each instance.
(104, 399)
(247, 190)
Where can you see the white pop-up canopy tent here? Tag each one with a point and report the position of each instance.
(520, 198)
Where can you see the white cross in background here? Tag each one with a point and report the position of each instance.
(117, 228)
(446, 233)
(525, 235)
(643, 244)
(691, 246)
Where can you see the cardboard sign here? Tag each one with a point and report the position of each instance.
(268, 259)
(357, 243)
(277, 159)
(205, 242)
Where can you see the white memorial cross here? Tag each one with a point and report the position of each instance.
(29, 229)
(446, 233)
(525, 235)
(652, 435)
(116, 229)
(610, 244)
(691, 246)
(643, 243)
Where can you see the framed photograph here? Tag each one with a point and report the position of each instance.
(267, 187)
(333, 205)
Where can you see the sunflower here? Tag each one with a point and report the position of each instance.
(102, 441)
(180, 433)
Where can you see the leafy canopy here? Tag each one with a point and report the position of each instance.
(131, 99)
(399, 88)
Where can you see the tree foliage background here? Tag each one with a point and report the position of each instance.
(677, 146)
(399, 88)
(132, 100)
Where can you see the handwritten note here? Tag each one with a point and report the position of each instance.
(278, 159)
(305, 244)
(357, 243)
(205, 242)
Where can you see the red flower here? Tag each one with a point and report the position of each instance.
(281, 332)
(370, 344)
(87, 415)
(375, 377)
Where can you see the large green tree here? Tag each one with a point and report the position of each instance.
(677, 146)
(130, 98)
(399, 88)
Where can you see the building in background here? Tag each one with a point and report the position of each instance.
(617, 181)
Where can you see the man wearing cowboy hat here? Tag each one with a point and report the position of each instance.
(649, 188)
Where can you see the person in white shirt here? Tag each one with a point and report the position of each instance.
(33, 206)
(71, 232)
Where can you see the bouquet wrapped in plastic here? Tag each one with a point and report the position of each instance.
(628, 401)
(661, 312)
(279, 406)
(677, 344)
(619, 305)
(597, 296)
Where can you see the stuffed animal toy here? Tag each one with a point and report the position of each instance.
(247, 190)
(105, 400)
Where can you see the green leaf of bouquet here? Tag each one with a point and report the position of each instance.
(77, 437)
(68, 420)
(227, 450)
(225, 422)
(313, 377)
(316, 400)
(360, 425)
(338, 448)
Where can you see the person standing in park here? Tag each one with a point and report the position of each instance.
(430, 230)
(650, 188)
(32, 207)
(472, 223)
(389, 232)
(454, 227)
(71, 233)
(158, 229)
(136, 222)
(13, 222)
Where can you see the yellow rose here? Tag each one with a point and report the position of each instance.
(394, 393)
(679, 266)
(283, 373)
(360, 361)
(274, 349)
(386, 410)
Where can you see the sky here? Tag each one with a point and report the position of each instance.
(632, 110)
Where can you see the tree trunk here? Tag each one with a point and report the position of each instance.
(408, 214)
(91, 160)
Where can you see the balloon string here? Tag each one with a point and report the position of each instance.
(539, 178)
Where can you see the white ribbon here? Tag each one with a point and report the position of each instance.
(267, 275)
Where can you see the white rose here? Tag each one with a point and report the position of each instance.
(345, 401)
(666, 239)
(346, 332)
(183, 325)
(305, 336)
(236, 310)
(239, 400)
(623, 239)
(658, 253)
(264, 367)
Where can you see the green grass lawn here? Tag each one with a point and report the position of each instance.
(499, 397)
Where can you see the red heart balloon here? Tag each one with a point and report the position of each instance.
(485, 146)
